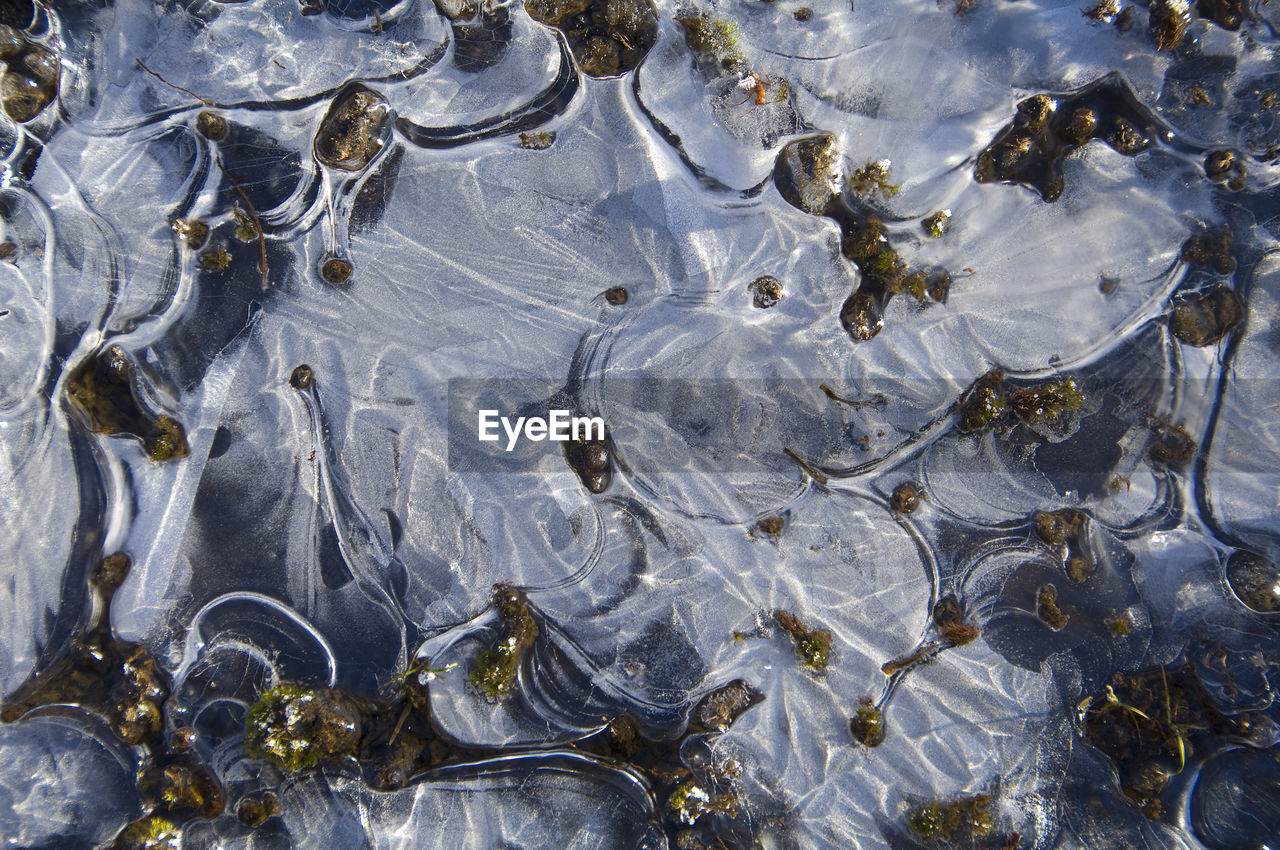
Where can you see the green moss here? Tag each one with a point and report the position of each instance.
(713, 39)
(690, 801)
(937, 224)
(953, 822)
(812, 645)
(873, 178)
(1048, 404)
(167, 440)
(494, 671)
(867, 724)
(984, 403)
(150, 833)
(1118, 625)
(298, 727)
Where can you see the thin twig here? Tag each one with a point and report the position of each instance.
(262, 240)
(399, 725)
(813, 473)
(877, 400)
(144, 67)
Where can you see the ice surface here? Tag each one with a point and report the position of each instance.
(328, 532)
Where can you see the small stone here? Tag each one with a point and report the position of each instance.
(906, 498)
(1208, 318)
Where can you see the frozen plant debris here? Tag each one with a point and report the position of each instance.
(607, 37)
(984, 403)
(937, 224)
(1047, 608)
(717, 711)
(766, 292)
(867, 724)
(953, 823)
(813, 646)
(538, 141)
(873, 178)
(105, 388)
(495, 669)
(297, 727)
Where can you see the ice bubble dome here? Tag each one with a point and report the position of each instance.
(935, 502)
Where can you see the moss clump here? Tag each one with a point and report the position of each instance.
(1224, 166)
(302, 378)
(1049, 405)
(1210, 248)
(606, 37)
(297, 727)
(1169, 20)
(871, 179)
(951, 823)
(1103, 12)
(714, 39)
(29, 82)
(538, 141)
(254, 810)
(867, 724)
(211, 125)
(591, 458)
(193, 232)
(167, 439)
(812, 645)
(215, 260)
(336, 271)
(806, 174)
(494, 672)
(937, 224)
(771, 525)
(150, 833)
(183, 785)
(1119, 625)
(984, 403)
(690, 801)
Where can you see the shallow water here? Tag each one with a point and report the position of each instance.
(455, 242)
